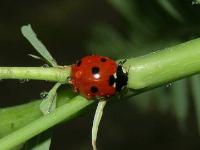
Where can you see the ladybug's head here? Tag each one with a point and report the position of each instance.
(121, 78)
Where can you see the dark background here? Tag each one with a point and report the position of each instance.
(65, 27)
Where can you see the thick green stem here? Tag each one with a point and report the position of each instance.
(36, 73)
(161, 67)
(65, 112)
(15, 117)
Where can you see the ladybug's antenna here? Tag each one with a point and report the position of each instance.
(96, 121)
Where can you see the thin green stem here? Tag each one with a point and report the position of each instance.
(36, 73)
(96, 122)
(65, 112)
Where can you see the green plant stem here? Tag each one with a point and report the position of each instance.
(96, 122)
(12, 118)
(65, 112)
(36, 73)
(15, 117)
(162, 67)
(149, 71)
(146, 72)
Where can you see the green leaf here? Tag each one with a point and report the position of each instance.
(96, 121)
(180, 102)
(19, 147)
(161, 100)
(15, 117)
(31, 36)
(40, 142)
(108, 43)
(65, 112)
(34, 56)
(12, 118)
(45, 145)
(168, 6)
(142, 101)
(49, 103)
(129, 10)
(196, 95)
(194, 2)
(124, 7)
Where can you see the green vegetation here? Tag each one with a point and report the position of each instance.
(150, 65)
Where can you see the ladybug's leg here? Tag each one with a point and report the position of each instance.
(99, 98)
(69, 79)
(121, 62)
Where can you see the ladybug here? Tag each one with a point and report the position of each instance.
(97, 76)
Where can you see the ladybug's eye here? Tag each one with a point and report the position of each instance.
(78, 63)
(103, 59)
(95, 70)
(94, 89)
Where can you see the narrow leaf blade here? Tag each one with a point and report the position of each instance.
(31, 36)
(44, 145)
(180, 102)
(49, 103)
(196, 95)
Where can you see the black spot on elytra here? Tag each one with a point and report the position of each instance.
(94, 89)
(111, 80)
(103, 59)
(95, 70)
(78, 63)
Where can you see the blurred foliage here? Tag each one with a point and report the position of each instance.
(139, 27)
(150, 26)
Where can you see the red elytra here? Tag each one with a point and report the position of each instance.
(97, 77)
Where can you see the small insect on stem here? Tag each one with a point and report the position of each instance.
(96, 122)
(98, 77)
